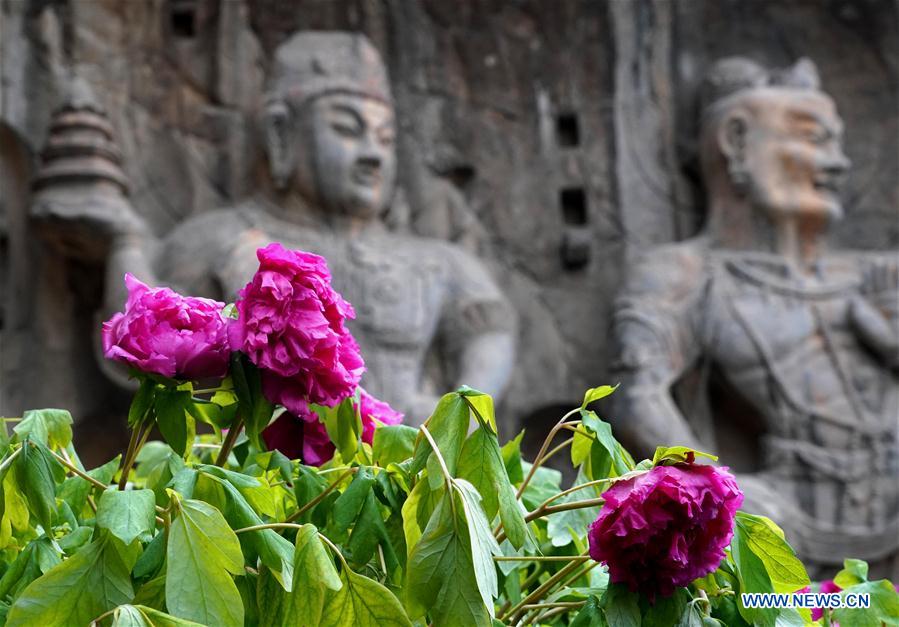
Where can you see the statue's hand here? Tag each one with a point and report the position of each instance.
(875, 313)
(880, 283)
(88, 231)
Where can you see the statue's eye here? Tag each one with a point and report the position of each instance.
(817, 134)
(346, 128)
(386, 136)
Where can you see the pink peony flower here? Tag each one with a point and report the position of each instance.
(665, 528)
(827, 587)
(291, 325)
(373, 412)
(165, 333)
(301, 437)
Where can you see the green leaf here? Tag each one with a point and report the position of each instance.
(622, 606)
(368, 532)
(591, 615)
(668, 455)
(142, 402)
(884, 608)
(481, 405)
(483, 544)
(785, 571)
(347, 507)
(854, 572)
(362, 602)
(511, 452)
(50, 427)
(481, 463)
(275, 551)
(594, 394)
(752, 577)
(127, 514)
(448, 426)
(314, 574)
(344, 427)
(34, 475)
(608, 457)
(91, 582)
(667, 610)
(203, 552)
(143, 616)
(252, 404)
(440, 577)
(152, 559)
(393, 444)
(172, 417)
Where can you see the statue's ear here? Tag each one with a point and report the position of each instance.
(732, 136)
(732, 140)
(276, 129)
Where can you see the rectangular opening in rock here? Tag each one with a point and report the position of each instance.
(573, 201)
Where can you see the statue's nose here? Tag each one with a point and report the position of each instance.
(837, 162)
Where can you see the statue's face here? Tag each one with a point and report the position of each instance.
(353, 155)
(794, 156)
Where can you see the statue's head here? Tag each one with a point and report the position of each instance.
(773, 139)
(329, 123)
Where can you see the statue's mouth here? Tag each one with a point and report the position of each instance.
(828, 184)
(366, 173)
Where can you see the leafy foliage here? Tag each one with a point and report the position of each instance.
(442, 525)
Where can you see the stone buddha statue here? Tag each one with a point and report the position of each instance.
(806, 339)
(328, 131)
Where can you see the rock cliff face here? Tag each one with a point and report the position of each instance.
(555, 139)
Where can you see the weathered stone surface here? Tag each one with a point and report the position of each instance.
(501, 105)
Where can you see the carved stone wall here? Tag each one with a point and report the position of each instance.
(554, 138)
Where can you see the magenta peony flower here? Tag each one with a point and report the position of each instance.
(663, 529)
(301, 437)
(373, 412)
(827, 587)
(291, 325)
(165, 333)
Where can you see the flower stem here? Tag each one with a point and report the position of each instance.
(318, 499)
(546, 510)
(230, 439)
(538, 461)
(9, 460)
(540, 558)
(126, 460)
(575, 489)
(537, 594)
(74, 470)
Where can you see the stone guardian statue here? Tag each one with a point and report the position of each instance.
(806, 337)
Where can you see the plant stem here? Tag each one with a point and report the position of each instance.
(80, 473)
(538, 461)
(558, 448)
(230, 439)
(126, 460)
(284, 525)
(540, 558)
(446, 473)
(574, 489)
(537, 594)
(305, 508)
(9, 460)
(335, 550)
(546, 510)
(537, 615)
(568, 604)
